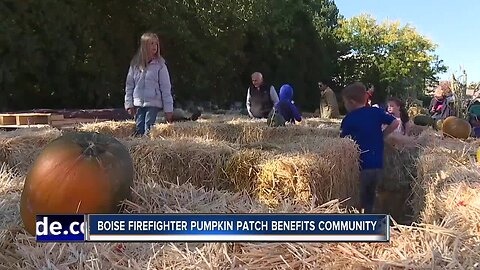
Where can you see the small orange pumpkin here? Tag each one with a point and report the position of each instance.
(79, 172)
(456, 127)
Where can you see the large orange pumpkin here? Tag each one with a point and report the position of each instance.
(79, 172)
(456, 127)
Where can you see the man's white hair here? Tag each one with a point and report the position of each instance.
(257, 75)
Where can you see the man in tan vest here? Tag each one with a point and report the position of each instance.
(328, 102)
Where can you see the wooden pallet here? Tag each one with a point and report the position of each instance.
(67, 123)
(27, 119)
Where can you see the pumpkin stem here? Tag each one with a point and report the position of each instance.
(93, 150)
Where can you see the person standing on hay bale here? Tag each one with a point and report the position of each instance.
(148, 87)
(328, 102)
(261, 97)
(285, 108)
(364, 125)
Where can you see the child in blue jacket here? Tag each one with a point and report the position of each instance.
(364, 125)
(286, 107)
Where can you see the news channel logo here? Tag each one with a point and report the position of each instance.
(60, 228)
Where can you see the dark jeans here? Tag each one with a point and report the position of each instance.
(144, 119)
(368, 188)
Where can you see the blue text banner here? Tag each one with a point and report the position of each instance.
(238, 228)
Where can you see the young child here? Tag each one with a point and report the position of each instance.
(285, 105)
(401, 136)
(148, 87)
(364, 125)
(396, 108)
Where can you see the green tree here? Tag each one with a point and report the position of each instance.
(396, 59)
(76, 53)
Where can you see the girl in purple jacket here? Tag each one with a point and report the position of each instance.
(285, 105)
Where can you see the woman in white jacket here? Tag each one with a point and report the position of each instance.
(148, 87)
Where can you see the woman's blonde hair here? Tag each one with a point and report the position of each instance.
(140, 60)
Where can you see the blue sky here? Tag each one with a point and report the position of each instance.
(452, 25)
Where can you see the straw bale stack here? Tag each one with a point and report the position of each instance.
(420, 247)
(312, 170)
(448, 184)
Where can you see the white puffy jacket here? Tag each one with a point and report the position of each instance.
(150, 88)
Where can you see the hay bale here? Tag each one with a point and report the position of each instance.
(242, 132)
(252, 133)
(400, 168)
(460, 196)
(324, 169)
(19, 148)
(208, 131)
(321, 122)
(447, 185)
(455, 191)
(11, 184)
(429, 166)
(290, 177)
(242, 169)
(343, 155)
(181, 160)
(118, 129)
(394, 190)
